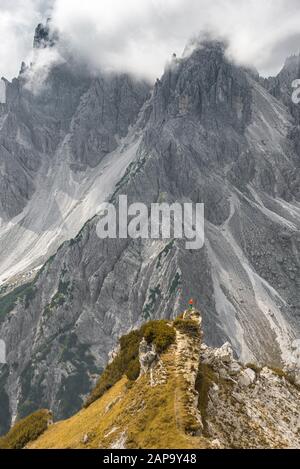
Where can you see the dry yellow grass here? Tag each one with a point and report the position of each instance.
(143, 416)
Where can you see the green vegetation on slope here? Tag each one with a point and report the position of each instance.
(127, 356)
(26, 430)
(160, 333)
(187, 326)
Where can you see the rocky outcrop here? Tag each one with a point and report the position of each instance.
(147, 356)
(249, 406)
(247, 377)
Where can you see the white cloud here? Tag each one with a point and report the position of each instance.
(2, 95)
(17, 22)
(43, 60)
(138, 36)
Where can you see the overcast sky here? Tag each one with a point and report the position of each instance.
(138, 36)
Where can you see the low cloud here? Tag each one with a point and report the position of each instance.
(42, 62)
(17, 22)
(2, 99)
(138, 36)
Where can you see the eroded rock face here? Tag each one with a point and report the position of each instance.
(260, 411)
(103, 117)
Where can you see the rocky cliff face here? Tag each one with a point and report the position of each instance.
(56, 127)
(210, 133)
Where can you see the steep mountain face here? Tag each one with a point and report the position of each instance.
(52, 137)
(281, 85)
(212, 133)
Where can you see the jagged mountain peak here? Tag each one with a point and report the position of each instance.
(206, 86)
(45, 35)
(206, 42)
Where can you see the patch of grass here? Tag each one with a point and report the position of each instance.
(133, 370)
(254, 367)
(191, 426)
(26, 430)
(29, 295)
(283, 374)
(279, 372)
(64, 287)
(59, 299)
(160, 333)
(187, 326)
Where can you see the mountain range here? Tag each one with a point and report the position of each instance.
(209, 131)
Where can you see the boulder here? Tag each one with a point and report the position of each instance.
(247, 377)
(225, 353)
